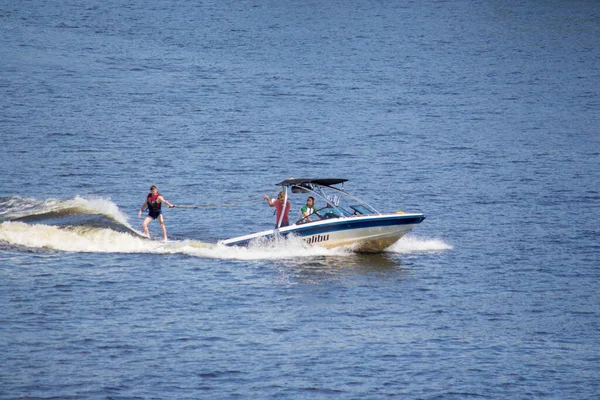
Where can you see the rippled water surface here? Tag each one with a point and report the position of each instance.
(482, 115)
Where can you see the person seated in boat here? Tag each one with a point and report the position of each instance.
(308, 209)
(279, 208)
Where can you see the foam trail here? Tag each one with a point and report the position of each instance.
(100, 206)
(83, 239)
(413, 244)
(76, 211)
(76, 205)
(77, 239)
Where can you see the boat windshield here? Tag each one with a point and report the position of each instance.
(362, 209)
(325, 213)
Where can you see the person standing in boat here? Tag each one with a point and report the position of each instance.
(279, 208)
(153, 203)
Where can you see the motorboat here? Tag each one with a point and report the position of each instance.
(344, 220)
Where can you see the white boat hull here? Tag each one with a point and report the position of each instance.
(371, 233)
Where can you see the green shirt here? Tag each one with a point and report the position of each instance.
(307, 209)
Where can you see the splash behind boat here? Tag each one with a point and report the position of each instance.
(344, 221)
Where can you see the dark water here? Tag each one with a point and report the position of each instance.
(482, 115)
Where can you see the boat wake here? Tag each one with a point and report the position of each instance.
(98, 226)
(94, 213)
(413, 244)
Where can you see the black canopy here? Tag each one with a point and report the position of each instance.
(321, 181)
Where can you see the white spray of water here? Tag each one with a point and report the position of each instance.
(100, 240)
(99, 206)
(19, 207)
(78, 239)
(412, 244)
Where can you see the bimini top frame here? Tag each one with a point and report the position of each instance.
(333, 209)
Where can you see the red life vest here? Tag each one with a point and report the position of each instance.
(153, 204)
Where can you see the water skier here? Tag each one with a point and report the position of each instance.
(153, 203)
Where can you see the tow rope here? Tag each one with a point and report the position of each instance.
(223, 205)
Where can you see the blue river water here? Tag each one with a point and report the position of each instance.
(483, 115)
